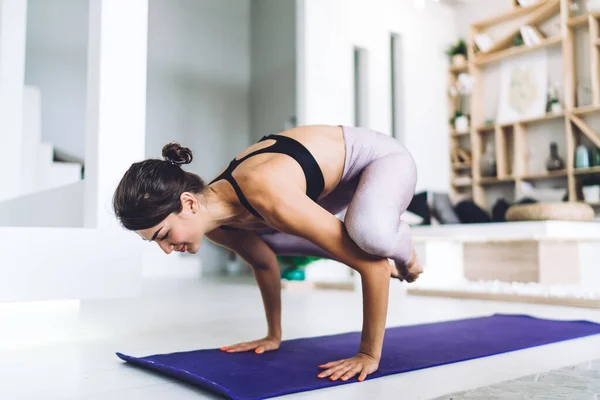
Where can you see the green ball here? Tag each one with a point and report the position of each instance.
(296, 275)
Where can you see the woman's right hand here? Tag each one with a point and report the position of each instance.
(259, 346)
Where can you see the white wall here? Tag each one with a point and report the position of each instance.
(478, 10)
(13, 15)
(273, 66)
(330, 29)
(56, 62)
(198, 74)
(198, 86)
(198, 78)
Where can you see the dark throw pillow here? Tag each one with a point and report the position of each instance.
(419, 206)
(470, 213)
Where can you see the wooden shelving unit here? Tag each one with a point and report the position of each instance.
(581, 20)
(587, 171)
(511, 155)
(460, 158)
(515, 51)
(548, 117)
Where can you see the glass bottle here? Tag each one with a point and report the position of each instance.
(554, 162)
(582, 157)
(488, 161)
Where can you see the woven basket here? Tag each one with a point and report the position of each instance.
(567, 211)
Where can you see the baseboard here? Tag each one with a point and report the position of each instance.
(508, 297)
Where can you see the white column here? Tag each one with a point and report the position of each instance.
(116, 101)
(13, 24)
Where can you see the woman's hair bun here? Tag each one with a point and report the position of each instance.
(176, 154)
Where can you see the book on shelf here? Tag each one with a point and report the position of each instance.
(527, 3)
(530, 36)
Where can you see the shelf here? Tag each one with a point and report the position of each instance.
(547, 117)
(461, 184)
(514, 13)
(586, 171)
(581, 19)
(459, 69)
(492, 180)
(513, 51)
(586, 110)
(548, 175)
(460, 166)
(546, 10)
(455, 134)
(485, 128)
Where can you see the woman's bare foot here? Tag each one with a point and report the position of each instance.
(409, 271)
(393, 270)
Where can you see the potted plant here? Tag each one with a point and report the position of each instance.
(460, 122)
(458, 53)
(462, 89)
(554, 106)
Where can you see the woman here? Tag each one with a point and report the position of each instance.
(281, 197)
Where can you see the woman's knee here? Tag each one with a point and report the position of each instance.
(369, 237)
(409, 173)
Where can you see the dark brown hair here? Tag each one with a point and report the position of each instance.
(150, 190)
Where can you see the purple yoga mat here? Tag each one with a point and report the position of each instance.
(294, 367)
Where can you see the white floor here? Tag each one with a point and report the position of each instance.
(180, 315)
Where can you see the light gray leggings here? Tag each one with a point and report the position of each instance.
(377, 186)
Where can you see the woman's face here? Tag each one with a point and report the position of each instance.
(178, 232)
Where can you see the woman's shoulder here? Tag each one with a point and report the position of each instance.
(265, 190)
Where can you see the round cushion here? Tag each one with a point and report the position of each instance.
(566, 211)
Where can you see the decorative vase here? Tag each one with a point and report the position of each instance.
(488, 161)
(554, 162)
(461, 124)
(596, 157)
(582, 157)
(459, 60)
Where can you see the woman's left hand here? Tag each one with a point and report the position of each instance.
(361, 363)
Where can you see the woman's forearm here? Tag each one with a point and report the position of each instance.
(300, 216)
(269, 282)
(375, 291)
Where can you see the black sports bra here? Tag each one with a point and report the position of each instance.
(315, 183)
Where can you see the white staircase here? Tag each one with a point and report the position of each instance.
(40, 258)
(45, 251)
(39, 171)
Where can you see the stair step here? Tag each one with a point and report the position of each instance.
(56, 207)
(32, 117)
(61, 174)
(68, 263)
